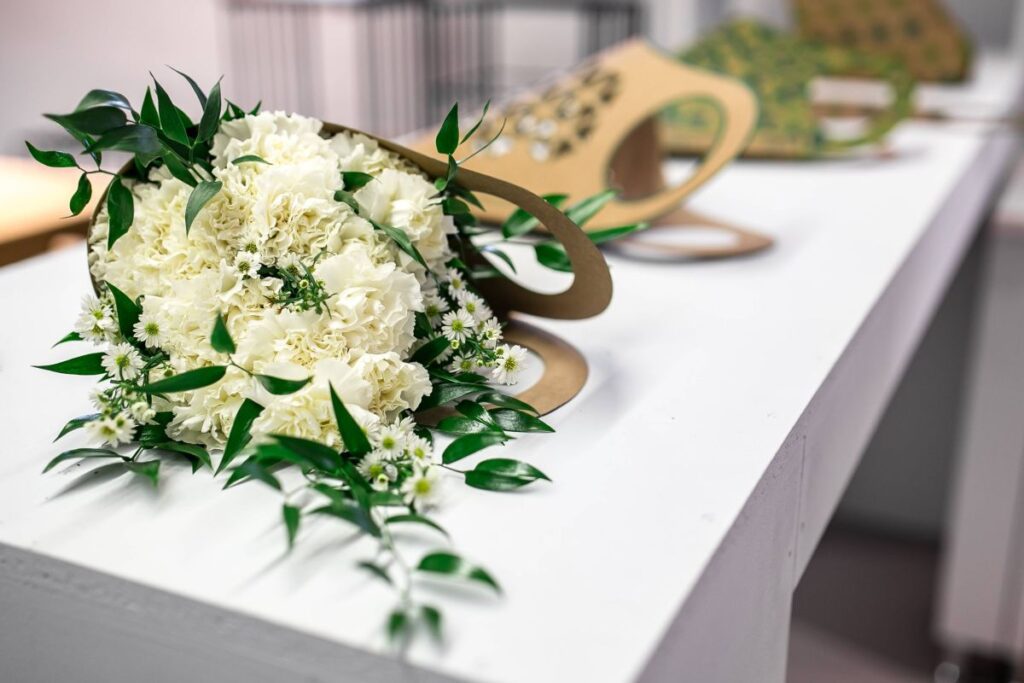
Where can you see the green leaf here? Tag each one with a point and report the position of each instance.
(353, 180)
(200, 95)
(429, 351)
(496, 398)
(583, 211)
(553, 255)
(77, 423)
(103, 98)
(521, 222)
(398, 626)
(190, 449)
(376, 570)
(127, 311)
(177, 168)
(210, 121)
(516, 421)
(445, 393)
(93, 121)
(352, 434)
(187, 381)
(452, 206)
(456, 424)
(240, 435)
(311, 453)
(466, 195)
(490, 249)
(511, 468)
(431, 616)
(450, 564)
(120, 210)
(292, 516)
(138, 139)
(51, 159)
(69, 337)
(149, 469)
(475, 411)
(469, 134)
(149, 115)
(203, 193)
(399, 237)
(491, 481)
(170, 119)
(347, 198)
(447, 139)
(250, 158)
(252, 469)
(352, 514)
(609, 234)
(80, 199)
(415, 519)
(89, 364)
(280, 386)
(469, 444)
(81, 453)
(220, 338)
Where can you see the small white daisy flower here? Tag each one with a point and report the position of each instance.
(113, 430)
(462, 363)
(456, 325)
(390, 441)
(96, 321)
(474, 305)
(98, 398)
(122, 361)
(489, 332)
(142, 412)
(290, 263)
(434, 306)
(456, 280)
(377, 470)
(511, 360)
(148, 330)
(420, 450)
(422, 487)
(247, 263)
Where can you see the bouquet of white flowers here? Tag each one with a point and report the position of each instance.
(291, 299)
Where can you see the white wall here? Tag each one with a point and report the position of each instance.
(53, 51)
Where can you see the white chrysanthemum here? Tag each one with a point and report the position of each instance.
(149, 328)
(113, 430)
(420, 450)
(96, 321)
(475, 306)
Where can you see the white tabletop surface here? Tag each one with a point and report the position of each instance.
(699, 372)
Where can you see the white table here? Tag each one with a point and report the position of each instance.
(728, 404)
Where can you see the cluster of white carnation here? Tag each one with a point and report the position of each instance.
(278, 218)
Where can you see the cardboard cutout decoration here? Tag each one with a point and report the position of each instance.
(780, 68)
(565, 369)
(920, 33)
(595, 127)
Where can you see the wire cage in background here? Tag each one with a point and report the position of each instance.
(395, 66)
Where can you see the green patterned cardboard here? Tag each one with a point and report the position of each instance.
(780, 68)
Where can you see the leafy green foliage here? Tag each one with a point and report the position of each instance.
(83, 193)
(521, 222)
(149, 470)
(240, 435)
(378, 571)
(413, 518)
(447, 139)
(69, 337)
(92, 121)
(352, 434)
(353, 180)
(81, 454)
(128, 312)
(468, 444)
(279, 386)
(250, 158)
(120, 209)
(188, 380)
(76, 423)
(292, 517)
(220, 338)
(201, 195)
(450, 564)
(51, 159)
(89, 364)
(503, 474)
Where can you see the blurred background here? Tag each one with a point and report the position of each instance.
(863, 609)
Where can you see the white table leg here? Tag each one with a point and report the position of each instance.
(981, 594)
